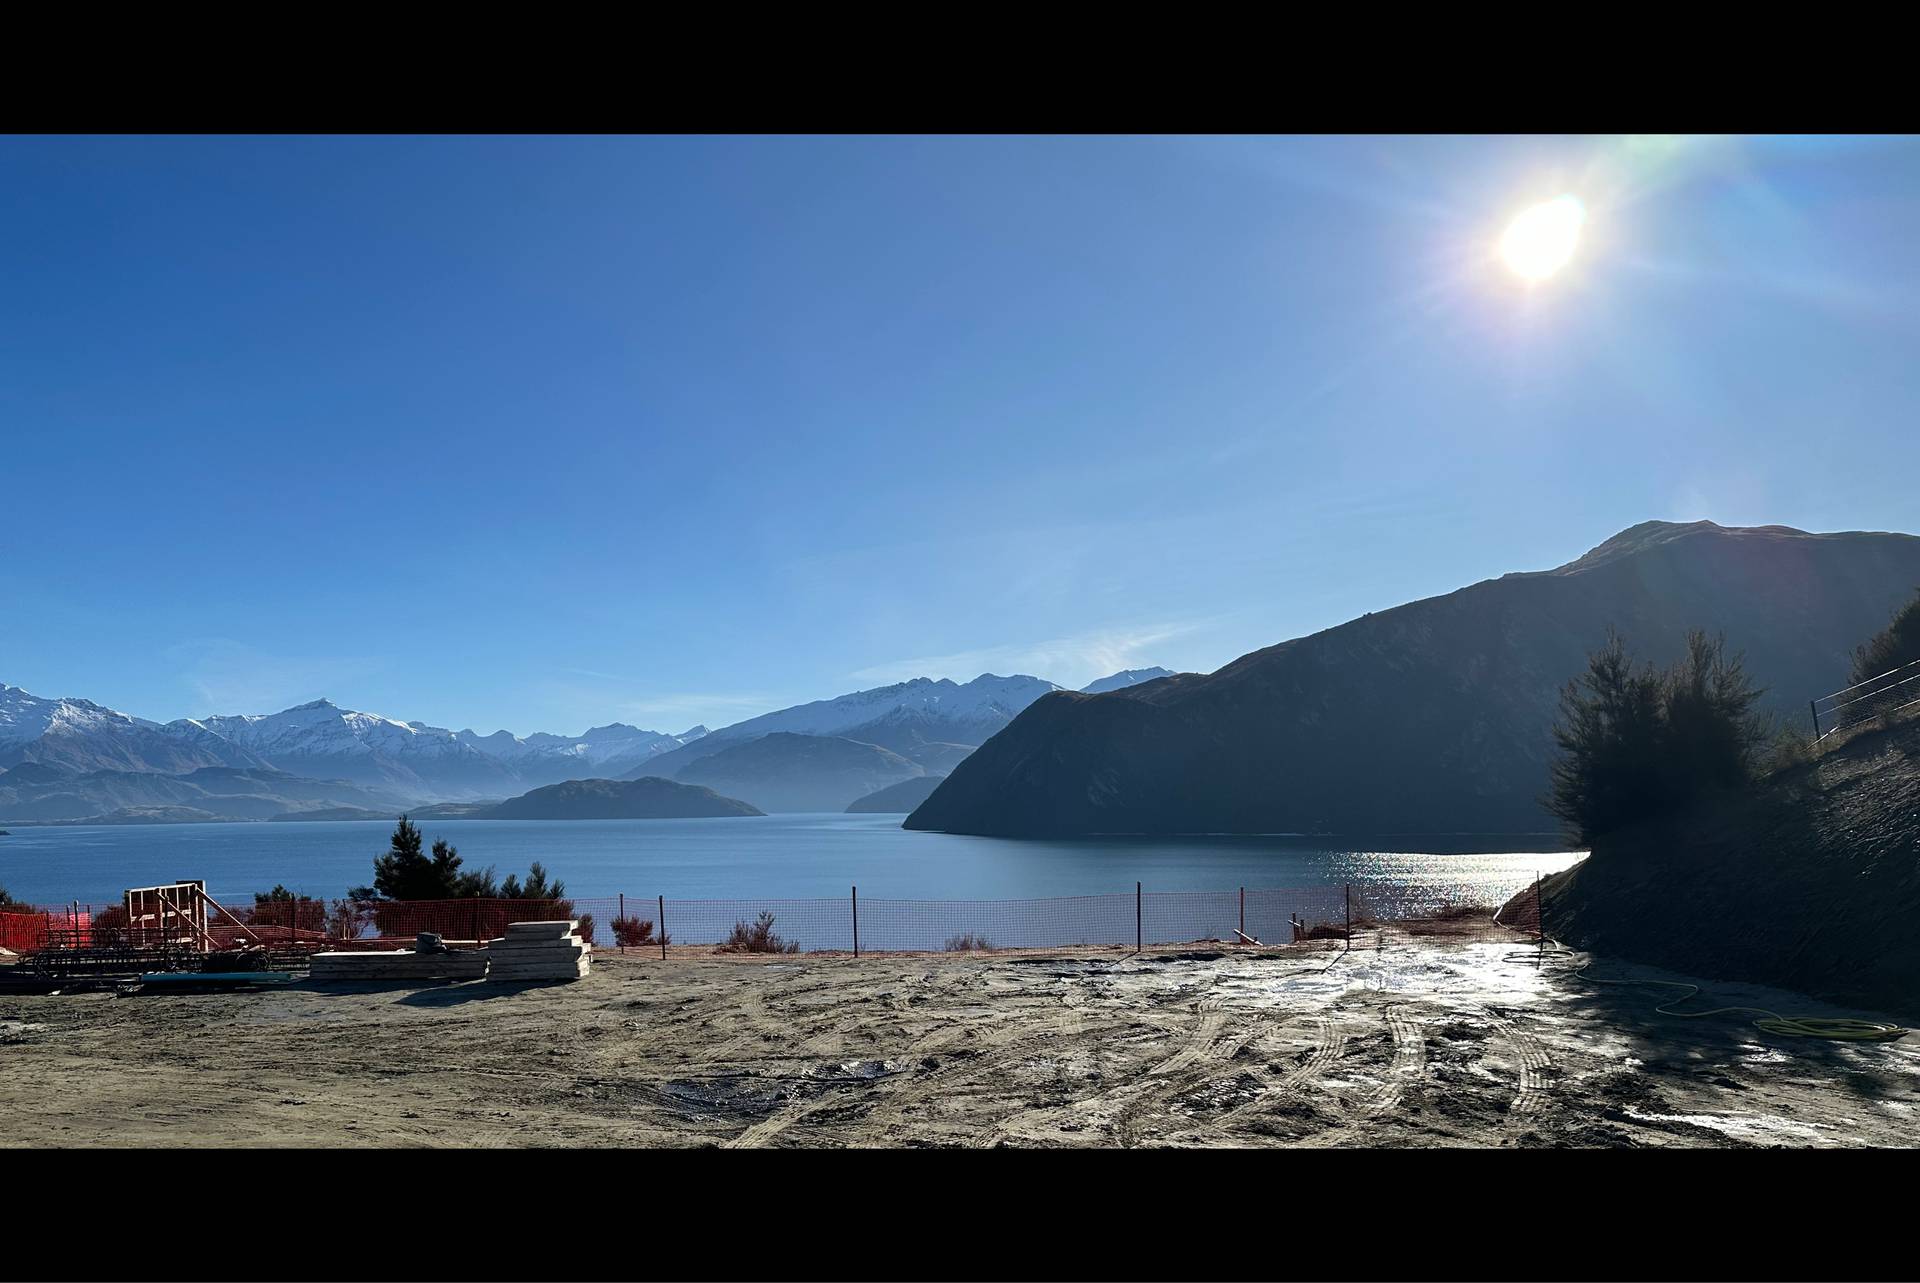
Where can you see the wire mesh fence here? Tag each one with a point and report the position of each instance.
(852, 924)
(1892, 692)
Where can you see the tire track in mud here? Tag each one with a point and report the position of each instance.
(747, 1008)
(1200, 1039)
(1533, 1059)
(1204, 1058)
(1005, 1044)
(1200, 1044)
(1409, 1063)
(1280, 1088)
(826, 1042)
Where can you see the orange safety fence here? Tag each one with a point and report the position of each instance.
(22, 932)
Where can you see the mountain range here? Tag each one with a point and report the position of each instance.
(1433, 716)
(73, 760)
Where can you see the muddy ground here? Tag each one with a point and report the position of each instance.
(1402, 1041)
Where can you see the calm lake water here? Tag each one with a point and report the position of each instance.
(797, 856)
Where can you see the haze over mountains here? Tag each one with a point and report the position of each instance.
(1432, 717)
(66, 760)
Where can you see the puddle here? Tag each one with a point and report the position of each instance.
(734, 1098)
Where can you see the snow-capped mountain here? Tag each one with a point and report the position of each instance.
(616, 743)
(936, 722)
(322, 739)
(80, 735)
(985, 704)
(1125, 678)
(432, 762)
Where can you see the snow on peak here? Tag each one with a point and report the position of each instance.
(25, 716)
(1125, 678)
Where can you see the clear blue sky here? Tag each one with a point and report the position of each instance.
(540, 433)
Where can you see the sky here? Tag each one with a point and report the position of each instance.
(543, 433)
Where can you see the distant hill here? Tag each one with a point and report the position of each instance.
(643, 799)
(1431, 717)
(38, 792)
(792, 772)
(145, 815)
(435, 811)
(333, 813)
(896, 798)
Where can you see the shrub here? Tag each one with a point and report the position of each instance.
(1636, 741)
(967, 942)
(758, 938)
(633, 933)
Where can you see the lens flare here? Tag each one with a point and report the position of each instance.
(1541, 239)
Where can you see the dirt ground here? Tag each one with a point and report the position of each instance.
(1401, 1041)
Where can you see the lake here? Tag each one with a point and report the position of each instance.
(790, 856)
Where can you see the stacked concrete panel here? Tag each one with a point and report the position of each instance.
(402, 964)
(540, 951)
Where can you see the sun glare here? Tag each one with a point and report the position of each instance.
(1541, 239)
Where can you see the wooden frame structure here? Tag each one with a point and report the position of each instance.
(177, 915)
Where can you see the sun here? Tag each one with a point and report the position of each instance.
(1541, 238)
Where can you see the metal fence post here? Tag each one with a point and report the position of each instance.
(1814, 708)
(663, 928)
(1349, 890)
(856, 921)
(1136, 917)
(1243, 912)
(1539, 916)
(618, 918)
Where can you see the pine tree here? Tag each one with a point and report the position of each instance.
(404, 872)
(1635, 741)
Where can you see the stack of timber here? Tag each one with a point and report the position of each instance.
(540, 951)
(401, 964)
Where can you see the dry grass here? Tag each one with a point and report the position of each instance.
(968, 942)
